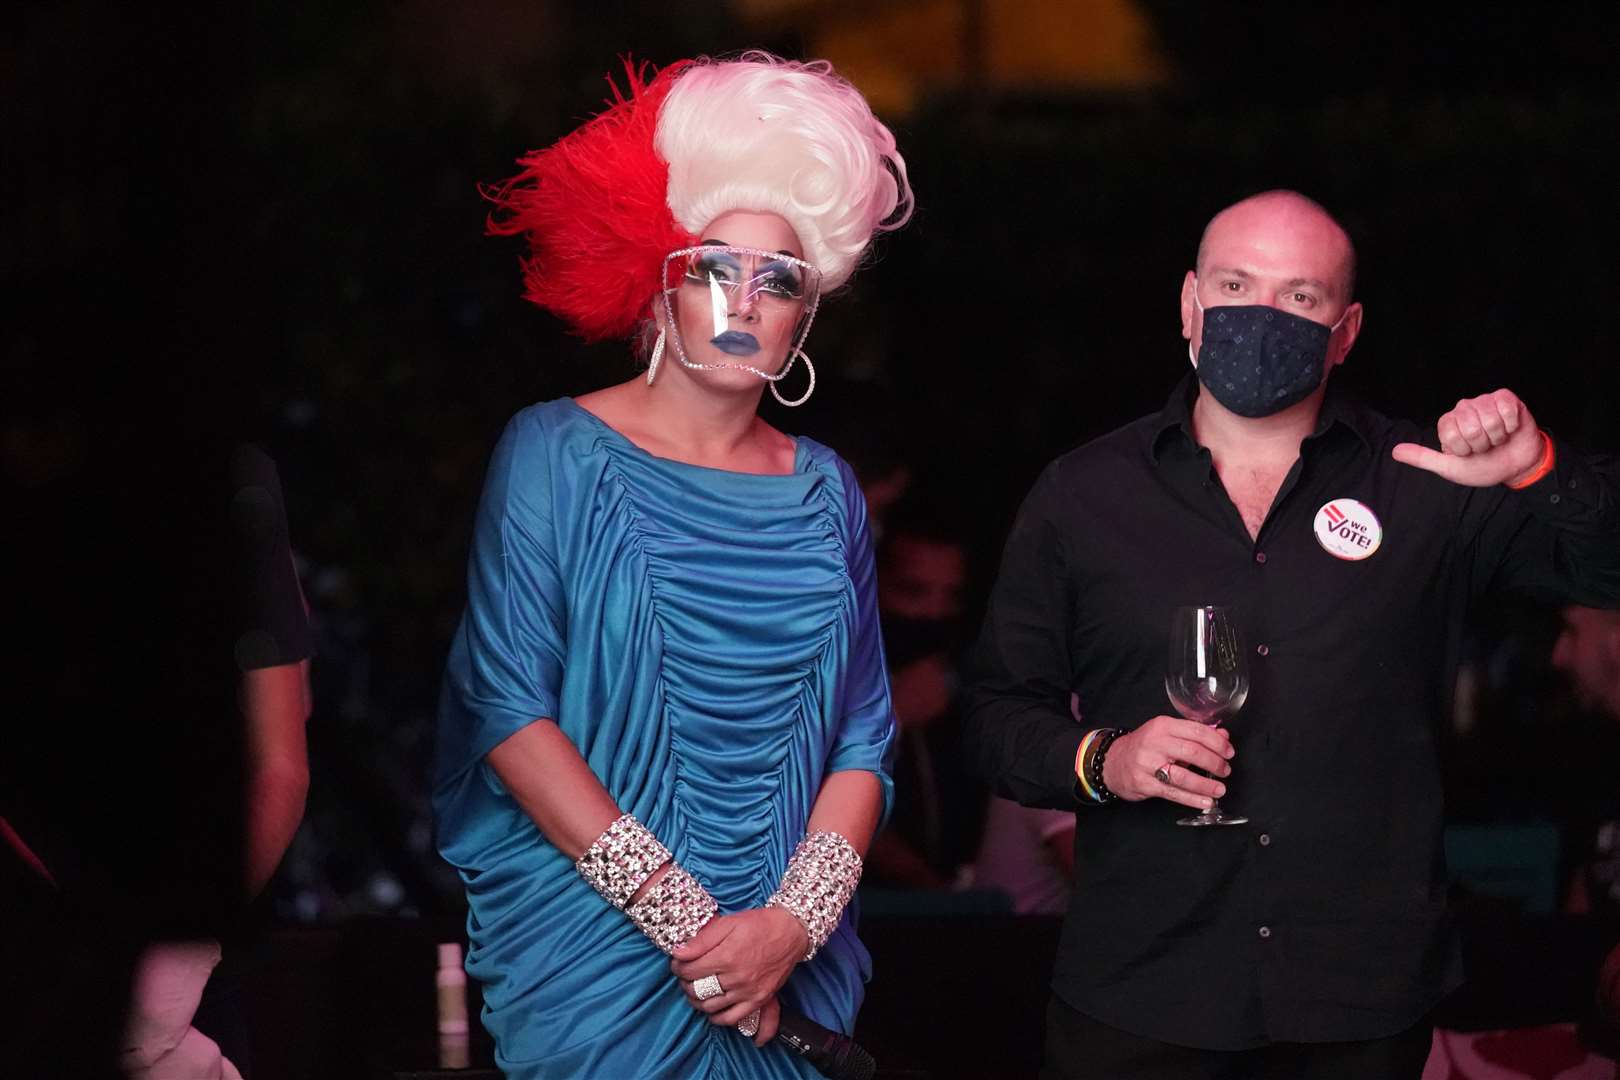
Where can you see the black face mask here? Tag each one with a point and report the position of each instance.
(1257, 360)
(905, 640)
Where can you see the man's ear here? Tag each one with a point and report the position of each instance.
(1349, 331)
(1189, 308)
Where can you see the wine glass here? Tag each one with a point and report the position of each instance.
(1207, 679)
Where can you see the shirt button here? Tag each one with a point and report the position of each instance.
(1260, 557)
(1265, 931)
(1263, 650)
(1556, 498)
(1265, 839)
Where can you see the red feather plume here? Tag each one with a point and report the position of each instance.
(594, 206)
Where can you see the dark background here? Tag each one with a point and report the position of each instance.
(263, 221)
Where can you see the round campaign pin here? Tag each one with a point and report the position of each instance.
(1347, 529)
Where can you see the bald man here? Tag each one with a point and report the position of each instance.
(1311, 939)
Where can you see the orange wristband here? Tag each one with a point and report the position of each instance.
(1548, 457)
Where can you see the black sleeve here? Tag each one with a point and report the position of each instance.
(1019, 733)
(272, 627)
(1558, 540)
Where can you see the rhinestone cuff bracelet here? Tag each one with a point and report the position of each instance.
(621, 859)
(674, 910)
(820, 879)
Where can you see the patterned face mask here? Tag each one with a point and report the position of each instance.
(1258, 360)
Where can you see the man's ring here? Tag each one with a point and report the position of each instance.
(707, 987)
(1162, 773)
(748, 1026)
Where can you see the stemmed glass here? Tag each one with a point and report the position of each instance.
(1207, 679)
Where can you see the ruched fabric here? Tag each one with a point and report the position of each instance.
(709, 642)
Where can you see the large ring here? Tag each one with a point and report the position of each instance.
(1162, 773)
(707, 987)
(748, 1026)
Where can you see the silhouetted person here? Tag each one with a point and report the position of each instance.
(938, 804)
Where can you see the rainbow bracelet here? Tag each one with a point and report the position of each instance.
(1080, 764)
(1087, 767)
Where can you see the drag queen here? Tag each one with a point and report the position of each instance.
(664, 738)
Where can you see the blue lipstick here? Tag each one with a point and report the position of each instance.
(736, 343)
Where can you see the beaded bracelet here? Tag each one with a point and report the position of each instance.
(622, 859)
(820, 878)
(1097, 757)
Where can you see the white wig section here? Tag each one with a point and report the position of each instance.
(767, 135)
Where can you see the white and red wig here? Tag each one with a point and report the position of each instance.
(602, 206)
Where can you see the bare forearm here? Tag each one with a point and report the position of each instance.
(275, 707)
(849, 804)
(545, 773)
(277, 790)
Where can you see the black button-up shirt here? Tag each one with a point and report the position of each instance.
(1324, 918)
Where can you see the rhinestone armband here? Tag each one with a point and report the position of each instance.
(621, 859)
(820, 879)
(674, 910)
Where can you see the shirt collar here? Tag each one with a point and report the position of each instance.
(1340, 409)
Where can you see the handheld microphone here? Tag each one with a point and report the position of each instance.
(833, 1055)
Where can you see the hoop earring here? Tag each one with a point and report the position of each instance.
(798, 354)
(657, 355)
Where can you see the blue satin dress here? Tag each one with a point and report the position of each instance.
(709, 641)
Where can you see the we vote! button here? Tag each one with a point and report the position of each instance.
(1347, 529)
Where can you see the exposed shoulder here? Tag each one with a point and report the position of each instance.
(611, 404)
(776, 446)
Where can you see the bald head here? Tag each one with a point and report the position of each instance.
(1274, 219)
